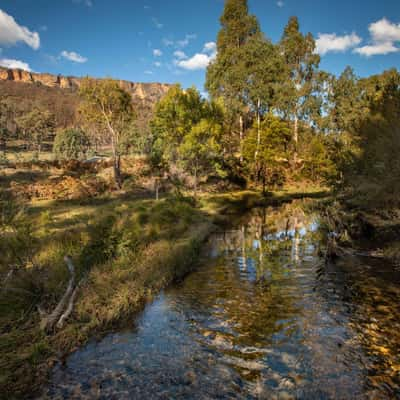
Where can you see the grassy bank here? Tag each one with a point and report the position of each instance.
(125, 251)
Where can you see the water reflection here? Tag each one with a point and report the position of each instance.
(263, 317)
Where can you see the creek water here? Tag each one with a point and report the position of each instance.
(262, 317)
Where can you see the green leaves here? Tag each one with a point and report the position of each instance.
(71, 144)
(187, 132)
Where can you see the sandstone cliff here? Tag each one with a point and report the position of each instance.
(146, 92)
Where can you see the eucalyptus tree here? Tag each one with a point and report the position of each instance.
(187, 132)
(265, 77)
(71, 144)
(271, 139)
(36, 126)
(227, 75)
(299, 96)
(108, 107)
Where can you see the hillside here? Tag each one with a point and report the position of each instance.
(59, 94)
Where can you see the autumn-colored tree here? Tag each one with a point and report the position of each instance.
(109, 108)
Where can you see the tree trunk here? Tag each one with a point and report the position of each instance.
(117, 164)
(258, 131)
(241, 135)
(295, 139)
(195, 183)
(156, 185)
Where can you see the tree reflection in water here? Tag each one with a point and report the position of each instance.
(263, 317)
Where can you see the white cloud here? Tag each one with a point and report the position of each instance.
(180, 55)
(210, 47)
(8, 63)
(72, 56)
(157, 64)
(384, 31)
(198, 61)
(377, 49)
(11, 32)
(157, 53)
(331, 42)
(148, 72)
(384, 36)
(280, 3)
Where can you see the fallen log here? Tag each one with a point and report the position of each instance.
(48, 323)
(68, 311)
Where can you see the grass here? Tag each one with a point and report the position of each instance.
(125, 250)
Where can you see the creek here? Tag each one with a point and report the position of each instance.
(262, 317)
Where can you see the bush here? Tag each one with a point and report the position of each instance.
(71, 144)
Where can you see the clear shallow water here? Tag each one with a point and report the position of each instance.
(261, 318)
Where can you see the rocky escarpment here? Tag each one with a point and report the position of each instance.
(145, 92)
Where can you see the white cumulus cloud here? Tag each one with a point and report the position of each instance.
(331, 42)
(17, 64)
(11, 32)
(199, 60)
(74, 57)
(377, 49)
(384, 37)
(385, 31)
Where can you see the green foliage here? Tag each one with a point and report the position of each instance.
(108, 108)
(372, 170)
(71, 144)
(36, 126)
(200, 150)
(299, 97)
(187, 132)
(265, 150)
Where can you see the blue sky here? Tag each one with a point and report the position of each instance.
(173, 40)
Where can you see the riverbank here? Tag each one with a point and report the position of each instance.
(125, 251)
(362, 230)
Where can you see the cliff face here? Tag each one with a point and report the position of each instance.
(145, 92)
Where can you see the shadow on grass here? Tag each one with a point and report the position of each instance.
(23, 177)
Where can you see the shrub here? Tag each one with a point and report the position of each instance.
(71, 144)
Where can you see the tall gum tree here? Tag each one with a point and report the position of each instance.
(227, 74)
(298, 99)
